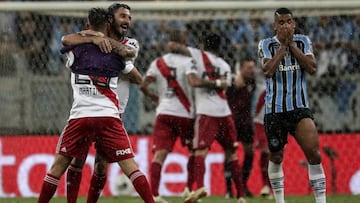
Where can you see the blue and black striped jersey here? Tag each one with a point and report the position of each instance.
(286, 90)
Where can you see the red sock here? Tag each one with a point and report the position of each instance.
(199, 165)
(97, 184)
(236, 177)
(190, 168)
(264, 162)
(155, 177)
(48, 188)
(73, 179)
(142, 186)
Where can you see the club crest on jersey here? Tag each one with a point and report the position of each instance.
(133, 43)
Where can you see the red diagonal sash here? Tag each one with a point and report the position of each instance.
(211, 74)
(179, 92)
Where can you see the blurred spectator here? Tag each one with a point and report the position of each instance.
(326, 39)
(351, 39)
(10, 56)
(33, 34)
(248, 35)
(61, 27)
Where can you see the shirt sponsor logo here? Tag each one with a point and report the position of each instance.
(122, 152)
(289, 68)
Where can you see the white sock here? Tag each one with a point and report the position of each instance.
(276, 176)
(318, 182)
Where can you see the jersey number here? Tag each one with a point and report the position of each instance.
(97, 81)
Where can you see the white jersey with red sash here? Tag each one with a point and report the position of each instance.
(175, 94)
(211, 102)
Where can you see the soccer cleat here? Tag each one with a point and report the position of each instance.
(248, 193)
(159, 199)
(186, 192)
(241, 200)
(195, 196)
(266, 192)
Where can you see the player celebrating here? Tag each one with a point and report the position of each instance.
(213, 116)
(286, 58)
(175, 109)
(260, 141)
(120, 22)
(94, 115)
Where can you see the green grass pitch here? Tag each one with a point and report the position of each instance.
(213, 199)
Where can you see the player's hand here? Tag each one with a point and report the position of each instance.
(154, 100)
(223, 84)
(85, 33)
(289, 35)
(282, 36)
(103, 43)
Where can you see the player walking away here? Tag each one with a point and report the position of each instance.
(239, 96)
(94, 115)
(260, 141)
(286, 58)
(213, 120)
(175, 109)
(120, 19)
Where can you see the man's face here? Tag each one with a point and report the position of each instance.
(284, 21)
(122, 20)
(248, 69)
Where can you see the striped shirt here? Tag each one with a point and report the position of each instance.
(286, 90)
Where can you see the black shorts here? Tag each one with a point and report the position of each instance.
(278, 125)
(245, 132)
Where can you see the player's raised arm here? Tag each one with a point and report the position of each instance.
(76, 39)
(196, 81)
(176, 47)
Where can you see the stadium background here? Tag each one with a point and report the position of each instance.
(35, 94)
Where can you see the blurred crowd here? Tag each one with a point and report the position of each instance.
(336, 39)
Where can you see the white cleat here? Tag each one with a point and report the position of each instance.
(266, 192)
(159, 199)
(241, 200)
(195, 196)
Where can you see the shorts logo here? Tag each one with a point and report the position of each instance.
(121, 152)
(63, 149)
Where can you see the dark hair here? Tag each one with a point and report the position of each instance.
(115, 6)
(282, 11)
(246, 58)
(176, 35)
(98, 17)
(212, 42)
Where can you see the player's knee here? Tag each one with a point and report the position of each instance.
(100, 168)
(276, 157)
(314, 157)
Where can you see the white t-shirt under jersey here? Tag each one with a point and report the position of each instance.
(207, 101)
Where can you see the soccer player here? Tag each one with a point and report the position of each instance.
(120, 23)
(175, 109)
(94, 115)
(213, 115)
(286, 58)
(239, 96)
(260, 141)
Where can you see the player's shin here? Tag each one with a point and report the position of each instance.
(276, 175)
(318, 182)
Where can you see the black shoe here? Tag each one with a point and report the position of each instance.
(248, 193)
